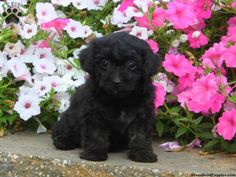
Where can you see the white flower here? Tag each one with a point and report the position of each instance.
(170, 31)
(28, 31)
(53, 81)
(39, 77)
(44, 66)
(79, 77)
(87, 31)
(19, 70)
(175, 43)
(77, 51)
(95, 4)
(44, 54)
(27, 106)
(26, 90)
(64, 3)
(142, 5)
(183, 38)
(133, 12)
(196, 34)
(3, 67)
(41, 87)
(13, 49)
(80, 4)
(162, 79)
(28, 55)
(118, 18)
(64, 99)
(45, 12)
(64, 104)
(66, 84)
(65, 67)
(140, 32)
(75, 29)
(24, 2)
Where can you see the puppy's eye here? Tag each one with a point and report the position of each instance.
(131, 65)
(105, 63)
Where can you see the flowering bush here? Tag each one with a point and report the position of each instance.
(195, 89)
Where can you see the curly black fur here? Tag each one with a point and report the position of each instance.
(114, 108)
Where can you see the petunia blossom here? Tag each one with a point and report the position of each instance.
(153, 45)
(178, 64)
(180, 14)
(45, 12)
(58, 24)
(196, 41)
(27, 106)
(125, 4)
(229, 56)
(160, 94)
(158, 18)
(226, 126)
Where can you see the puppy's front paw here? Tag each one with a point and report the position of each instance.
(93, 156)
(142, 156)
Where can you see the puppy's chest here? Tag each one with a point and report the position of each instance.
(122, 120)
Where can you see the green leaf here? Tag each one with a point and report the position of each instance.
(232, 99)
(206, 125)
(159, 127)
(175, 109)
(210, 144)
(198, 120)
(232, 148)
(206, 135)
(181, 131)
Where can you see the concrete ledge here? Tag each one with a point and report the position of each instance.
(28, 154)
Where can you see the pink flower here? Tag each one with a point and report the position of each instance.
(160, 94)
(125, 4)
(203, 8)
(215, 104)
(153, 45)
(232, 28)
(43, 44)
(229, 57)
(158, 19)
(180, 14)
(186, 81)
(213, 56)
(226, 126)
(58, 24)
(204, 88)
(233, 4)
(203, 95)
(178, 64)
(197, 39)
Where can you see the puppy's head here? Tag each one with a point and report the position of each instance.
(119, 63)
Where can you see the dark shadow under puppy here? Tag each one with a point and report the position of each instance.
(114, 109)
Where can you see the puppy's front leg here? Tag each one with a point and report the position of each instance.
(140, 146)
(94, 143)
(140, 149)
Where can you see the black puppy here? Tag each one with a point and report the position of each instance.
(114, 109)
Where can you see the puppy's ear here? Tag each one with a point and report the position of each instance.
(85, 58)
(152, 63)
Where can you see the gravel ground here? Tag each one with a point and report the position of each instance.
(28, 154)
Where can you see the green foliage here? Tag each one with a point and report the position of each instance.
(8, 92)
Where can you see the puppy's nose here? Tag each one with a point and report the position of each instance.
(116, 80)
